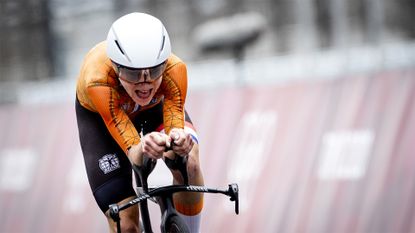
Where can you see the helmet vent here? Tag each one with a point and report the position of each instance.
(162, 45)
(119, 47)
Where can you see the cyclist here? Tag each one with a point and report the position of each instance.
(130, 100)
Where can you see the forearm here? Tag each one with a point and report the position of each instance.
(135, 154)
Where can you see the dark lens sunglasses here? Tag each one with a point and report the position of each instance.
(133, 75)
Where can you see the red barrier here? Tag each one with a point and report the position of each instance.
(321, 156)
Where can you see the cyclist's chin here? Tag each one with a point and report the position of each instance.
(142, 100)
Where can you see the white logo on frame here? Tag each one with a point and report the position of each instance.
(109, 163)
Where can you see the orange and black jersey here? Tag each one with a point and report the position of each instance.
(99, 90)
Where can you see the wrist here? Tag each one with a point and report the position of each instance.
(135, 154)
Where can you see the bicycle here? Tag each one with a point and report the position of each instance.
(171, 222)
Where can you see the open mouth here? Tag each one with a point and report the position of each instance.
(143, 94)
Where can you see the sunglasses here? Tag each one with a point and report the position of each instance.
(132, 75)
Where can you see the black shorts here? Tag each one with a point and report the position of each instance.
(107, 166)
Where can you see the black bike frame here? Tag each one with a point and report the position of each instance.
(164, 194)
(232, 192)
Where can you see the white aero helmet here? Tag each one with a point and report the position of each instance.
(138, 40)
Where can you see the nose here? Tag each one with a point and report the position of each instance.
(145, 75)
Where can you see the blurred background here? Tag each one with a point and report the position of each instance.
(309, 105)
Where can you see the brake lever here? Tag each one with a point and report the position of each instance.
(233, 192)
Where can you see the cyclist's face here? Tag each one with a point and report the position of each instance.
(142, 91)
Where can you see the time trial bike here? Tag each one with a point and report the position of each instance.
(171, 222)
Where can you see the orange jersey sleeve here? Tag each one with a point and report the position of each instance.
(99, 91)
(174, 88)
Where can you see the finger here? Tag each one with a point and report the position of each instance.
(158, 139)
(190, 144)
(148, 149)
(187, 141)
(182, 140)
(168, 142)
(149, 153)
(152, 149)
(182, 150)
(174, 135)
(177, 134)
(185, 144)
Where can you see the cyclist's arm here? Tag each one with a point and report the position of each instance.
(105, 99)
(174, 88)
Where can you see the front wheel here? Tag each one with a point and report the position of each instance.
(175, 224)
